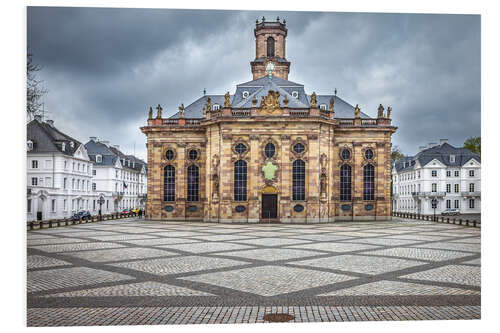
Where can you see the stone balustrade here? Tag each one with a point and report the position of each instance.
(36, 225)
(437, 219)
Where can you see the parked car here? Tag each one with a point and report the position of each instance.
(125, 211)
(135, 210)
(81, 214)
(451, 211)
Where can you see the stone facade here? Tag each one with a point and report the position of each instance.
(279, 112)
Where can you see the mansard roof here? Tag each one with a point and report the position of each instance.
(261, 87)
(440, 153)
(111, 154)
(48, 139)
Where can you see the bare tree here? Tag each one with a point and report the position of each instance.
(35, 89)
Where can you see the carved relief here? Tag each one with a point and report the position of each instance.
(215, 177)
(270, 104)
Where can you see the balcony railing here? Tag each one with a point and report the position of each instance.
(428, 194)
(471, 194)
(240, 113)
(299, 113)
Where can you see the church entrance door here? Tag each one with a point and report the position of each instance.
(269, 207)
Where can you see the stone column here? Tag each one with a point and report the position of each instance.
(312, 179)
(208, 176)
(286, 178)
(155, 183)
(324, 147)
(253, 180)
(226, 176)
(181, 181)
(357, 181)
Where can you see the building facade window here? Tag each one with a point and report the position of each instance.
(240, 148)
(346, 154)
(270, 47)
(457, 173)
(434, 173)
(94, 186)
(448, 173)
(471, 203)
(193, 154)
(240, 180)
(53, 205)
(299, 148)
(299, 180)
(369, 182)
(457, 188)
(193, 183)
(471, 187)
(269, 150)
(345, 182)
(169, 183)
(29, 205)
(471, 173)
(448, 203)
(369, 154)
(34, 164)
(448, 188)
(34, 181)
(434, 187)
(457, 204)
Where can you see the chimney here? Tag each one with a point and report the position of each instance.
(105, 142)
(38, 117)
(422, 148)
(93, 138)
(441, 141)
(432, 144)
(50, 122)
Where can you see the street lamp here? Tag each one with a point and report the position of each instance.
(100, 202)
(434, 205)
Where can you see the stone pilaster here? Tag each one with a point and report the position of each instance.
(285, 180)
(226, 177)
(312, 178)
(181, 182)
(254, 180)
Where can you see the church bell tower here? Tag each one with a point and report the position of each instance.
(270, 46)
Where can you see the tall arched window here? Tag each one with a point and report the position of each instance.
(240, 180)
(169, 183)
(369, 182)
(299, 180)
(270, 47)
(193, 183)
(345, 182)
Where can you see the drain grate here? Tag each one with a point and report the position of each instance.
(278, 317)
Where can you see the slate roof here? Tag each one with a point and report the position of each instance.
(441, 153)
(111, 154)
(48, 139)
(260, 87)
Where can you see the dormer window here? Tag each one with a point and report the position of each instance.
(30, 145)
(63, 146)
(98, 158)
(322, 107)
(72, 144)
(295, 94)
(452, 158)
(215, 107)
(245, 94)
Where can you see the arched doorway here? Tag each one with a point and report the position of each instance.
(269, 211)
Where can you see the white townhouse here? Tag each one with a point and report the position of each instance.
(119, 179)
(59, 173)
(450, 175)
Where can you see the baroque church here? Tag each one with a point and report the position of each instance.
(270, 152)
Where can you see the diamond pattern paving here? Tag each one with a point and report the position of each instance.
(419, 254)
(460, 274)
(270, 280)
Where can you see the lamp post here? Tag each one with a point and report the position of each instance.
(434, 205)
(100, 201)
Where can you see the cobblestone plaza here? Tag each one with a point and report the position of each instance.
(136, 272)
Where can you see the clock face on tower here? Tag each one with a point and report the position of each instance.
(270, 68)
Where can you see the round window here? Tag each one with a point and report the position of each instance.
(169, 154)
(346, 154)
(240, 148)
(295, 94)
(269, 150)
(193, 154)
(368, 154)
(246, 94)
(299, 148)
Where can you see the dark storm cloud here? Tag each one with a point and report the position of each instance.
(104, 67)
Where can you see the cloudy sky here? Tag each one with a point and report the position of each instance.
(105, 67)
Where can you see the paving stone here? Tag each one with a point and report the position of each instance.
(418, 253)
(273, 241)
(36, 261)
(206, 247)
(121, 254)
(452, 246)
(272, 254)
(360, 263)
(70, 277)
(178, 265)
(269, 280)
(460, 274)
(54, 240)
(335, 247)
(149, 288)
(76, 247)
(395, 288)
(161, 241)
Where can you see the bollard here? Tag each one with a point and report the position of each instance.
(467, 222)
(460, 221)
(31, 225)
(474, 223)
(448, 220)
(58, 223)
